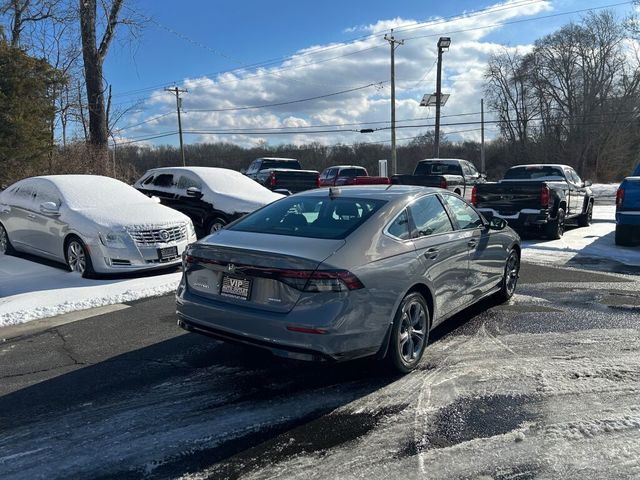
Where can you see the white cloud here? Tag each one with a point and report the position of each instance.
(325, 69)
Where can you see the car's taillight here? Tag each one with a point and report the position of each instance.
(545, 196)
(318, 182)
(443, 183)
(272, 179)
(320, 280)
(474, 196)
(619, 197)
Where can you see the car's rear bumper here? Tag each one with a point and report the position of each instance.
(628, 218)
(522, 219)
(346, 335)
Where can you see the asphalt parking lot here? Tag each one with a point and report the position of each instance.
(543, 387)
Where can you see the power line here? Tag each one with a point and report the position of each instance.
(289, 102)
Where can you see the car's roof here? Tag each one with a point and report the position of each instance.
(443, 160)
(278, 158)
(541, 165)
(345, 166)
(196, 170)
(376, 192)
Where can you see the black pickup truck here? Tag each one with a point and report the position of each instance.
(542, 196)
(453, 174)
(282, 175)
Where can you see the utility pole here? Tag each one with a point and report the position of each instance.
(482, 165)
(176, 91)
(394, 44)
(443, 44)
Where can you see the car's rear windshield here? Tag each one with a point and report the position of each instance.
(353, 172)
(532, 172)
(280, 164)
(438, 168)
(310, 217)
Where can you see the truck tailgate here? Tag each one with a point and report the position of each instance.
(508, 198)
(294, 180)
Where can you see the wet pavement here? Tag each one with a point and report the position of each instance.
(547, 386)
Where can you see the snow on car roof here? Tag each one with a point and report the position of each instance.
(231, 191)
(87, 191)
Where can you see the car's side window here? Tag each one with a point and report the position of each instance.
(429, 217)
(465, 216)
(164, 180)
(399, 228)
(24, 197)
(576, 178)
(147, 180)
(187, 181)
(466, 170)
(47, 193)
(253, 167)
(473, 169)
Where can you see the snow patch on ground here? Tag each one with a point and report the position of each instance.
(595, 241)
(30, 290)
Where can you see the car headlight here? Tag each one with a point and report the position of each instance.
(191, 229)
(113, 239)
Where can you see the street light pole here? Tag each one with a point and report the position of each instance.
(443, 44)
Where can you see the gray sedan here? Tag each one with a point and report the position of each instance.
(347, 272)
(91, 223)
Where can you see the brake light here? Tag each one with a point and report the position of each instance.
(320, 280)
(443, 183)
(301, 329)
(474, 196)
(619, 197)
(272, 179)
(545, 196)
(318, 182)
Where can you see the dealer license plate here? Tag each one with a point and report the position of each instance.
(167, 253)
(235, 287)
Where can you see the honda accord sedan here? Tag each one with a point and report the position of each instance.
(347, 272)
(91, 223)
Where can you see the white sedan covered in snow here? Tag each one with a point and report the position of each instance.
(211, 197)
(92, 224)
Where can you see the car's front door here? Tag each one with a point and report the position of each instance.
(580, 192)
(192, 206)
(47, 232)
(442, 250)
(486, 257)
(18, 221)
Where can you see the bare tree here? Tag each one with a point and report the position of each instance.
(24, 13)
(94, 54)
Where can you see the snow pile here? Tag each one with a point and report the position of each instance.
(604, 190)
(596, 241)
(29, 290)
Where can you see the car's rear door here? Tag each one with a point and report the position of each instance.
(442, 250)
(21, 202)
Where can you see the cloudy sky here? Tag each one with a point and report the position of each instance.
(284, 71)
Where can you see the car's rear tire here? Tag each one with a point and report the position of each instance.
(5, 243)
(77, 257)
(624, 235)
(510, 278)
(555, 229)
(409, 333)
(585, 219)
(216, 224)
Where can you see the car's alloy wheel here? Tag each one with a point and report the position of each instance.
(555, 229)
(410, 333)
(4, 241)
(216, 224)
(511, 275)
(77, 258)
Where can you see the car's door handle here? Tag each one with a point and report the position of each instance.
(472, 243)
(431, 253)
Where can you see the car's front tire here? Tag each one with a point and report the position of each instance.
(410, 333)
(77, 257)
(510, 278)
(216, 224)
(5, 243)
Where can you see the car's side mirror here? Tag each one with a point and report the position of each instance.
(243, 171)
(588, 183)
(194, 192)
(483, 176)
(49, 208)
(497, 223)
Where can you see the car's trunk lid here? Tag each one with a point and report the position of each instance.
(250, 269)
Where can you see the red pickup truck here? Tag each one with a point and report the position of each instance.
(349, 175)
